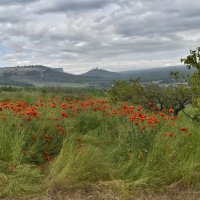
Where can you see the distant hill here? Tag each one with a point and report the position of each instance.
(104, 73)
(155, 74)
(38, 75)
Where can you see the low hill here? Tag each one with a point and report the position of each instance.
(104, 73)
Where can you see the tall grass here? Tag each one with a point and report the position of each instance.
(94, 149)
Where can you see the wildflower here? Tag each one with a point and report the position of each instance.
(47, 158)
(136, 123)
(171, 134)
(168, 133)
(95, 109)
(114, 112)
(65, 115)
(139, 108)
(172, 124)
(143, 127)
(170, 110)
(173, 117)
(53, 105)
(183, 129)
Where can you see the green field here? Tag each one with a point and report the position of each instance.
(77, 142)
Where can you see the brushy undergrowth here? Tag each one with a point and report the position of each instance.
(48, 141)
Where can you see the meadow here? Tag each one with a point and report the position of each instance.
(52, 141)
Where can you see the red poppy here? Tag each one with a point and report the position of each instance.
(183, 129)
(170, 110)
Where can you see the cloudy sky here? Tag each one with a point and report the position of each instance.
(112, 34)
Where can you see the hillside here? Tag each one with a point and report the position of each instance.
(38, 75)
(155, 74)
(104, 73)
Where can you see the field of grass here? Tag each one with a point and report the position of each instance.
(58, 143)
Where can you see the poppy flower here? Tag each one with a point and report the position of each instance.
(183, 129)
(170, 110)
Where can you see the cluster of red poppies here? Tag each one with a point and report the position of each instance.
(70, 108)
(60, 111)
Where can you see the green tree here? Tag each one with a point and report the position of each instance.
(152, 96)
(193, 61)
(127, 91)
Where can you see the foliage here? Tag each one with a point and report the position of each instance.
(153, 96)
(193, 61)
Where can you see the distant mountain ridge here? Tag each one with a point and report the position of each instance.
(161, 73)
(38, 75)
(152, 74)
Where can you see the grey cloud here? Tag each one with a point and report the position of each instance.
(76, 5)
(98, 32)
(15, 2)
(156, 24)
(160, 17)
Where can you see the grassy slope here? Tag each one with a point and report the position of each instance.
(98, 154)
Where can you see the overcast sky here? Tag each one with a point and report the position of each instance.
(112, 34)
